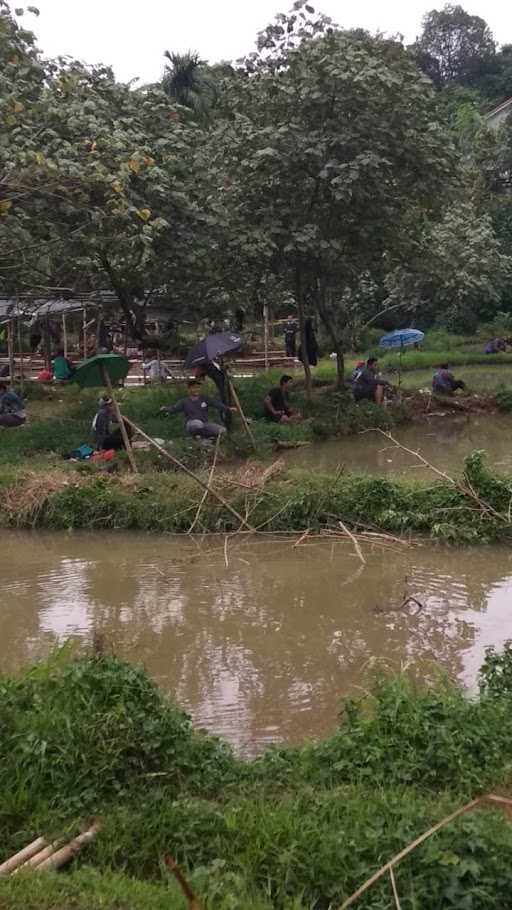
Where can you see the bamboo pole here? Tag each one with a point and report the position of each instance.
(38, 858)
(240, 411)
(84, 328)
(10, 349)
(190, 473)
(265, 335)
(22, 856)
(20, 348)
(65, 854)
(124, 434)
(65, 335)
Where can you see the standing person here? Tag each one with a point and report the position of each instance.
(277, 403)
(195, 410)
(157, 370)
(12, 408)
(444, 382)
(367, 385)
(290, 337)
(214, 371)
(106, 437)
(311, 343)
(63, 369)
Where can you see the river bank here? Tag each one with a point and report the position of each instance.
(40, 489)
(296, 828)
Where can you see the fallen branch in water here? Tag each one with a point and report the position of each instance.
(465, 488)
(302, 538)
(357, 548)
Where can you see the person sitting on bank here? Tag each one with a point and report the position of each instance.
(12, 408)
(63, 369)
(367, 384)
(496, 346)
(106, 437)
(195, 409)
(444, 382)
(277, 403)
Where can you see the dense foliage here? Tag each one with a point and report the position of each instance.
(296, 828)
(325, 171)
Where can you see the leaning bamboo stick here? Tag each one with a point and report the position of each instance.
(210, 481)
(124, 434)
(179, 464)
(403, 853)
(66, 853)
(243, 418)
(22, 856)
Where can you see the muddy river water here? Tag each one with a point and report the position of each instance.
(259, 649)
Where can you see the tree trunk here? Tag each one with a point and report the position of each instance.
(337, 344)
(299, 295)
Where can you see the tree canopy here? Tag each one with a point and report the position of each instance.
(325, 168)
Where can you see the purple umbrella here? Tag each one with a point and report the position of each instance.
(211, 347)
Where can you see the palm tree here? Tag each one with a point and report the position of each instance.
(188, 82)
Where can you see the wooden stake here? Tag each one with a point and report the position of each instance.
(124, 434)
(10, 348)
(22, 856)
(20, 348)
(265, 335)
(190, 473)
(241, 413)
(84, 329)
(65, 335)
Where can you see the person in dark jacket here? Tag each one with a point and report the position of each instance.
(277, 403)
(311, 344)
(12, 408)
(367, 385)
(290, 337)
(444, 382)
(106, 437)
(195, 410)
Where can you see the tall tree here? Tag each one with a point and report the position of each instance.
(331, 142)
(462, 45)
(189, 82)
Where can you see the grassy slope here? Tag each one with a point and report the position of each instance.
(296, 829)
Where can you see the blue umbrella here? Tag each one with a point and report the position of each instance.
(211, 347)
(401, 338)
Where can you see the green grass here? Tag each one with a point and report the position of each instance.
(296, 829)
(295, 500)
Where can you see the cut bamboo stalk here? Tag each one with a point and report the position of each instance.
(190, 473)
(10, 348)
(22, 856)
(65, 854)
(40, 857)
